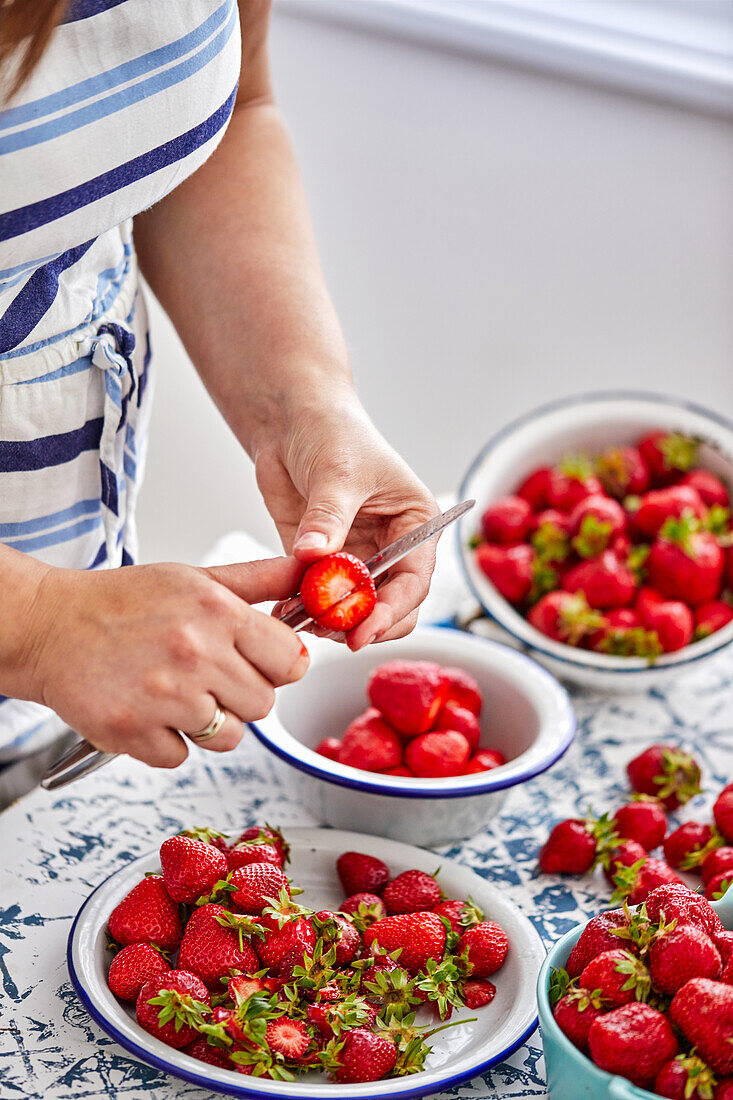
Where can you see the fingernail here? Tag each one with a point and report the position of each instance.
(300, 667)
(369, 642)
(312, 540)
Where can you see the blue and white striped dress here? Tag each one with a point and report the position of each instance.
(129, 99)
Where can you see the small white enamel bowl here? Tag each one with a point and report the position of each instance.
(526, 715)
(587, 423)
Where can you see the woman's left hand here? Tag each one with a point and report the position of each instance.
(331, 482)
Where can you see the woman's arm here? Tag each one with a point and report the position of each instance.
(231, 256)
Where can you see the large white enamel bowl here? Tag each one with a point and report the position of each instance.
(587, 423)
(527, 715)
(458, 1054)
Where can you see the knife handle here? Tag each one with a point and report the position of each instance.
(80, 760)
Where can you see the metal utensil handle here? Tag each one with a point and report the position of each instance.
(80, 760)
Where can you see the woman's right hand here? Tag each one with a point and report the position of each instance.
(127, 657)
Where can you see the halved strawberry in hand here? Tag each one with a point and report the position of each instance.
(338, 592)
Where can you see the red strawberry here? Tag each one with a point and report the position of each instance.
(419, 936)
(362, 1055)
(509, 568)
(570, 849)
(550, 517)
(370, 744)
(570, 482)
(679, 954)
(203, 1051)
(331, 1019)
(330, 747)
(718, 885)
(336, 929)
(711, 488)
(170, 1006)
(724, 1091)
(619, 975)
(575, 1012)
(239, 855)
(688, 845)
(685, 563)
(401, 771)
(597, 937)
(409, 694)
(453, 717)
(564, 617)
(411, 892)
(729, 566)
(720, 859)
(214, 944)
(484, 948)
(131, 967)
(723, 813)
(287, 1037)
(254, 885)
(703, 1011)
(242, 986)
(712, 616)
(636, 882)
(644, 821)
(659, 505)
(190, 867)
(462, 690)
(667, 773)
(675, 901)
(685, 1077)
(338, 592)
(623, 472)
(477, 992)
(459, 914)
(507, 520)
(147, 915)
(367, 907)
(438, 754)
(604, 581)
(280, 946)
(623, 635)
(594, 522)
(359, 872)
(633, 1041)
(266, 834)
(625, 854)
(671, 620)
(485, 760)
(535, 488)
(667, 454)
(723, 940)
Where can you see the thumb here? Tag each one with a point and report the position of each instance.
(257, 581)
(326, 521)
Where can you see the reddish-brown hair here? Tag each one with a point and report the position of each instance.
(26, 27)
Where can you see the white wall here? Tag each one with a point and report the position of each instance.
(493, 238)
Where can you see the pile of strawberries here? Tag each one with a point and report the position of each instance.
(649, 995)
(628, 553)
(423, 722)
(264, 986)
(663, 778)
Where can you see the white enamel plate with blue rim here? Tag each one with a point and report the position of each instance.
(458, 1054)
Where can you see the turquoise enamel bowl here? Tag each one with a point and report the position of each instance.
(570, 1075)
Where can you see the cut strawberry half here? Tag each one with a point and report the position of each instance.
(338, 592)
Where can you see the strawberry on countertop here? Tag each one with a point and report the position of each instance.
(670, 774)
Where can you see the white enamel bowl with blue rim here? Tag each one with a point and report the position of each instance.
(563, 1061)
(459, 1054)
(588, 423)
(526, 715)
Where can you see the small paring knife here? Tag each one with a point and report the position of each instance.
(83, 759)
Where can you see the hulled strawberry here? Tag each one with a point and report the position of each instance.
(509, 568)
(190, 867)
(605, 581)
(132, 966)
(618, 975)
(711, 617)
(717, 861)
(437, 754)
(636, 882)
(660, 505)
(147, 915)
(477, 992)
(623, 472)
(671, 621)
(360, 1056)
(723, 813)
(685, 1077)
(485, 760)
(666, 772)
(686, 563)
(680, 953)
(574, 1013)
(254, 886)
(565, 617)
(410, 694)
(172, 1006)
(418, 937)
(411, 892)
(338, 592)
(570, 848)
(359, 872)
(483, 949)
(597, 936)
(711, 488)
(571, 481)
(703, 1011)
(668, 454)
(643, 821)
(216, 942)
(687, 846)
(462, 690)
(288, 1038)
(507, 520)
(453, 717)
(634, 1041)
(370, 744)
(330, 747)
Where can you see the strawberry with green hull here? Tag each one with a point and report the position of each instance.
(459, 914)
(688, 845)
(636, 883)
(411, 892)
(623, 472)
(482, 949)
(571, 481)
(565, 617)
(215, 943)
(132, 966)
(679, 953)
(670, 621)
(668, 454)
(718, 886)
(507, 520)
(703, 1012)
(711, 488)
(338, 592)
(676, 902)
(643, 821)
(594, 523)
(598, 936)
(535, 488)
(686, 563)
(605, 582)
(359, 1056)
(686, 1077)
(364, 908)
(191, 867)
(574, 1013)
(250, 888)
(623, 854)
(711, 617)
(717, 861)
(656, 507)
(723, 812)
(172, 1007)
(618, 975)
(570, 848)
(670, 774)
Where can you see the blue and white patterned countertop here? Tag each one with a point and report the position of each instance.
(57, 847)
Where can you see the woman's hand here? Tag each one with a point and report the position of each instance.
(331, 482)
(130, 656)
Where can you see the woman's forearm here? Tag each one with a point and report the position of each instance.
(231, 256)
(21, 584)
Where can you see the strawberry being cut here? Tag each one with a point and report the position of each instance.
(685, 563)
(666, 772)
(509, 568)
(462, 690)
(147, 915)
(132, 966)
(172, 1006)
(359, 872)
(507, 520)
(634, 1041)
(409, 694)
(338, 592)
(438, 754)
(370, 744)
(668, 454)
